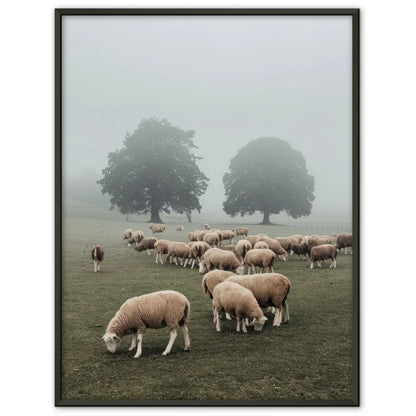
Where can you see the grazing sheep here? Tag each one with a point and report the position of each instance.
(177, 250)
(212, 239)
(197, 250)
(220, 259)
(241, 231)
(343, 241)
(261, 244)
(253, 239)
(300, 249)
(150, 225)
(297, 237)
(180, 228)
(146, 244)
(239, 302)
(323, 252)
(161, 247)
(275, 246)
(136, 237)
(201, 234)
(154, 310)
(262, 258)
(219, 233)
(315, 240)
(97, 254)
(158, 228)
(127, 235)
(228, 235)
(241, 249)
(193, 235)
(207, 226)
(269, 289)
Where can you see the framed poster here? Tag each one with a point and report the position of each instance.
(203, 144)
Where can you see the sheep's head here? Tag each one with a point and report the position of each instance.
(201, 267)
(240, 270)
(112, 341)
(258, 323)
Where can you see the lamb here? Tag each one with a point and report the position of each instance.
(228, 235)
(97, 254)
(239, 302)
(127, 235)
(241, 231)
(154, 310)
(146, 244)
(158, 228)
(207, 226)
(221, 259)
(323, 252)
(275, 246)
(161, 247)
(212, 239)
(197, 250)
(136, 237)
(343, 241)
(180, 228)
(241, 249)
(177, 250)
(269, 289)
(263, 257)
(261, 244)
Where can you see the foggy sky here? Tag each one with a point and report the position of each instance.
(231, 79)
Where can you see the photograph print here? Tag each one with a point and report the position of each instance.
(207, 178)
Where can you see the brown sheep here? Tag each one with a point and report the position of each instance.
(321, 253)
(344, 241)
(262, 258)
(146, 244)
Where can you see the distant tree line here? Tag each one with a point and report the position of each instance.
(156, 171)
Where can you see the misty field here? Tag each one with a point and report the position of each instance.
(308, 358)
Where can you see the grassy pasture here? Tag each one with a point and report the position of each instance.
(308, 358)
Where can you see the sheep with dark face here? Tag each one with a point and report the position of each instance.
(321, 253)
(97, 255)
(154, 310)
(238, 302)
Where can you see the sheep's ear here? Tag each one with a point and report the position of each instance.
(252, 322)
(115, 338)
(264, 318)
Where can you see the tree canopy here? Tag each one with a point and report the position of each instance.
(269, 176)
(155, 171)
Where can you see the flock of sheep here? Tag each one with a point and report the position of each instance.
(228, 283)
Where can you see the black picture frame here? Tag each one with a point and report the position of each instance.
(355, 14)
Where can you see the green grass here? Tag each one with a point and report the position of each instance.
(308, 358)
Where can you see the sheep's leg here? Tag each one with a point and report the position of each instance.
(185, 331)
(186, 262)
(253, 268)
(157, 256)
(286, 311)
(148, 251)
(193, 263)
(217, 318)
(277, 317)
(139, 346)
(228, 316)
(271, 269)
(244, 325)
(133, 342)
(98, 266)
(238, 324)
(95, 266)
(312, 264)
(172, 338)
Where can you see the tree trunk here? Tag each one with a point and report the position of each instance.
(266, 219)
(155, 218)
(188, 216)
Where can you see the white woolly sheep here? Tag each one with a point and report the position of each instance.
(241, 249)
(97, 254)
(158, 228)
(127, 235)
(228, 235)
(136, 237)
(344, 241)
(154, 310)
(323, 252)
(262, 258)
(238, 302)
(269, 289)
(161, 247)
(212, 239)
(275, 246)
(261, 244)
(177, 250)
(193, 235)
(146, 244)
(207, 226)
(219, 233)
(180, 228)
(241, 231)
(298, 238)
(198, 248)
(220, 259)
(201, 234)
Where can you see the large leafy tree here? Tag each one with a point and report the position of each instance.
(267, 175)
(155, 171)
